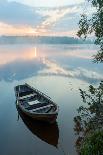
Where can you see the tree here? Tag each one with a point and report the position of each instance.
(94, 24)
(93, 144)
(89, 122)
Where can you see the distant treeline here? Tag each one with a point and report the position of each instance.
(42, 40)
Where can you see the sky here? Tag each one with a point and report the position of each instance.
(49, 3)
(40, 17)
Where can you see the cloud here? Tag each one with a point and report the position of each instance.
(16, 30)
(48, 3)
(54, 16)
(20, 19)
(18, 14)
(52, 19)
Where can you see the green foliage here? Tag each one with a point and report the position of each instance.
(94, 24)
(93, 144)
(84, 26)
(90, 115)
(93, 109)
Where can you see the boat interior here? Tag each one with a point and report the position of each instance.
(33, 101)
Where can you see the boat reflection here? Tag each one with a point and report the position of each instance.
(46, 132)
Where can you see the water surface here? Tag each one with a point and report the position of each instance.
(57, 70)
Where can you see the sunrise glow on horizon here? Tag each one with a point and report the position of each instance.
(20, 19)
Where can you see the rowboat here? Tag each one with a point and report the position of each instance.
(35, 104)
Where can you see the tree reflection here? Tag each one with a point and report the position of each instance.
(89, 122)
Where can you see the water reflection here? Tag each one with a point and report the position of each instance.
(57, 70)
(9, 55)
(18, 63)
(21, 69)
(46, 132)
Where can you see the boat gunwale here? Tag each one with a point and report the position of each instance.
(41, 94)
(38, 91)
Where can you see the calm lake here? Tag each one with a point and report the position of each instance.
(56, 70)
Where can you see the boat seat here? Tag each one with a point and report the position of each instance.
(26, 96)
(38, 105)
(40, 108)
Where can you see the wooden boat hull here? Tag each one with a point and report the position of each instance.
(40, 116)
(51, 118)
